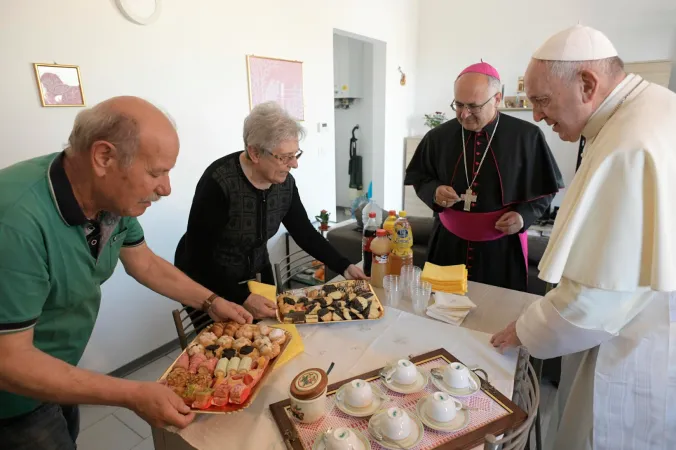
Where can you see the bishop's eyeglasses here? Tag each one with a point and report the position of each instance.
(474, 109)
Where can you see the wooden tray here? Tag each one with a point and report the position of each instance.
(301, 318)
(468, 438)
(231, 407)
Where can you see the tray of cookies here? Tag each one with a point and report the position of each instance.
(222, 369)
(330, 303)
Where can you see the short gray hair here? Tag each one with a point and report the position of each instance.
(268, 125)
(567, 70)
(105, 124)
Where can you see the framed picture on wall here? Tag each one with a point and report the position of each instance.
(59, 85)
(278, 80)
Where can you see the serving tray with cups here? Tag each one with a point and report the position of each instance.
(342, 301)
(408, 404)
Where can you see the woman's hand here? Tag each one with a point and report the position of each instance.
(354, 273)
(260, 307)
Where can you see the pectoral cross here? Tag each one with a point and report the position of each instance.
(468, 197)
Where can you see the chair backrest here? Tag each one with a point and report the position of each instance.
(189, 322)
(290, 266)
(527, 397)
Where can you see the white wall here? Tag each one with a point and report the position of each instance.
(191, 62)
(454, 35)
(359, 113)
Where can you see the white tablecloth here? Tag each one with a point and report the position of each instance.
(355, 348)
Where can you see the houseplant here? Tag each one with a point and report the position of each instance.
(436, 119)
(323, 219)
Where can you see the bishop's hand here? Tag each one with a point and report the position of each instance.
(511, 222)
(445, 196)
(506, 338)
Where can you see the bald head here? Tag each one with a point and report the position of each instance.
(124, 122)
(477, 97)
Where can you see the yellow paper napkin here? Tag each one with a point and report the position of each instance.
(445, 273)
(296, 346)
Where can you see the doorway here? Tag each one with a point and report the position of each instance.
(359, 103)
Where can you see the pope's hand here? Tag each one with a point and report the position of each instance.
(506, 338)
(446, 196)
(354, 273)
(260, 307)
(511, 222)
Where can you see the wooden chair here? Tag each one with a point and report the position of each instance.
(189, 322)
(290, 266)
(527, 396)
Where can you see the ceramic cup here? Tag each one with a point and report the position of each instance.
(308, 411)
(358, 394)
(343, 439)
(458, 376)
(402, 372)
(395, 424)
(441, 407)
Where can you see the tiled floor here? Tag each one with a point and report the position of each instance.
(110, 428)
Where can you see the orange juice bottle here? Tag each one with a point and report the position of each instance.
(402, 245)
(380, 248)
(389, 223)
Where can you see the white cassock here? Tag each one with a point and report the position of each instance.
(613, 253)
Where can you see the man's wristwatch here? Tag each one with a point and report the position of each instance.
(206, 306)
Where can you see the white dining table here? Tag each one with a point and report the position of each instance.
(359, 347)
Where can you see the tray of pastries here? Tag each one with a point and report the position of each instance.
(221, 371)
(332, 302)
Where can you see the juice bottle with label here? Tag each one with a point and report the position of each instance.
(402, 245)
(389, 223)
(380, 248)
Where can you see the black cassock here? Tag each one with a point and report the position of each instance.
(519, 173)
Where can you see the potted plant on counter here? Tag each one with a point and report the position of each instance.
(323, 219)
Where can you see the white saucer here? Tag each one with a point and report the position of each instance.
(460, 421)
(465, 392)
(376, 404)
(421, 381)
(320, 445)
(413, 439)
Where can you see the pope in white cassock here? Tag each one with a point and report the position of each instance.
(612, 251)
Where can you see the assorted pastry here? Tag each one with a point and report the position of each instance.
(223, 365)
(335, 302)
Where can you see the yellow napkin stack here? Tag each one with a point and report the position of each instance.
(296, 346)
(452, 279)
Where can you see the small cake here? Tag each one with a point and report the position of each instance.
(276, 350)
(246, 331)
(211, 350)
(195, 348)
(231, 328)
(264, 329)
(325, 315)
(265, 349)
(241, 342)
(229, 353)
(260, 341)
(249, 351)
(218, 328)
(277, 336)
(225, 342)
(207, 338)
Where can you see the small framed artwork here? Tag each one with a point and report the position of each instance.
(59, 85)
(278, 80)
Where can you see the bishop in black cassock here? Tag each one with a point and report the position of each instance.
(506, 165)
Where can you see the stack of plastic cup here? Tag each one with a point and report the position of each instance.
(393, 290)
(409, 275)
(420, 296)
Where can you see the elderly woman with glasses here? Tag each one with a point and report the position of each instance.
(240, 202)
